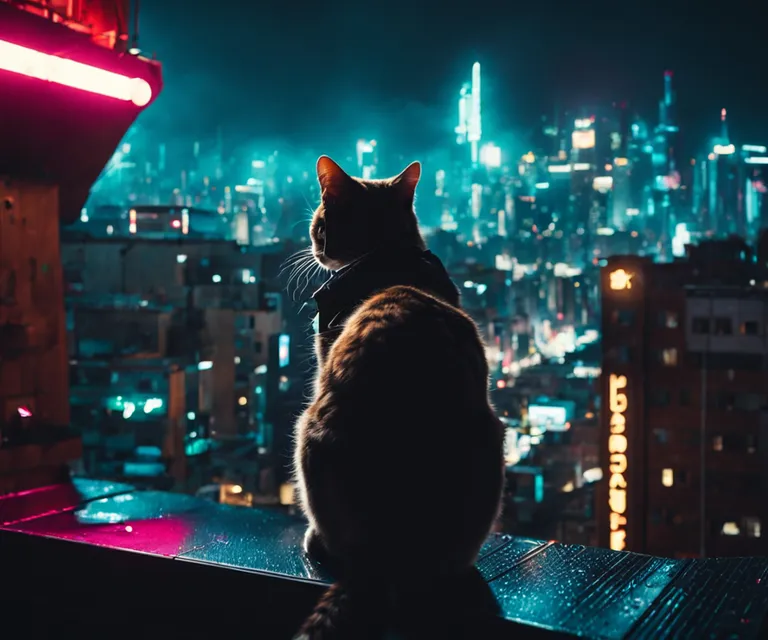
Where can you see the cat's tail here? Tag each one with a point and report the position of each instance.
(342, 615)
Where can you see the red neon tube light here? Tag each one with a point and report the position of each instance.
(28, 62)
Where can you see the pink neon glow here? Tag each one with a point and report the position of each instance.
(176, 224)
(29, 492)
(28, 62)
(166, 536)
(24, 412)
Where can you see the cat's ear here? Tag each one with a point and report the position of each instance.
(408, 179)
(332, 177)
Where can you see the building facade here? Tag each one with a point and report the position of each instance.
(684, 427)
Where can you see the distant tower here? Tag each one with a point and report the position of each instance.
(470, 127)
(475, 123)
(367, 159)
(724, 126)
(667, 116)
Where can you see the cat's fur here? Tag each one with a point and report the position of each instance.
(399, 457)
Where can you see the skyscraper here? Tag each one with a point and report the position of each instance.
(470, 127)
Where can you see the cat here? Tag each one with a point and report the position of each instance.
(399, 457)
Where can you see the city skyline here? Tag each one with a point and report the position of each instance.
(182, 353)
(403, 140)
(532, 64)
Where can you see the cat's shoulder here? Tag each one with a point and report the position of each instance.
(410, 310)
(404, 301)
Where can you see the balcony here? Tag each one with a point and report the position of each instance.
(95, 557)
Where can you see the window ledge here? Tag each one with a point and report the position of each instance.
(102, 553)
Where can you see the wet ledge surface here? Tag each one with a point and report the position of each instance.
(559, 590)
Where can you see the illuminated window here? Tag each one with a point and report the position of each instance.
(667, 477)
(730, 529)
(749, 328)
(669, 357)
(620, 280)
(717, 443)
(752, 527)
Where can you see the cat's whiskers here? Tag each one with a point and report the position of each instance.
(298, 265)
(293, 258)
(306, 267)
(297, 262)
(310, 277)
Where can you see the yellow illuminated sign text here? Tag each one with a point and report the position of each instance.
(617, 468)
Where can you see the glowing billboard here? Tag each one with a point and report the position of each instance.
(724, 149)
(603, 184)
(583, 139)
(552, 416)
(617, 467)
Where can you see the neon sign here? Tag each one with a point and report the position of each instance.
(43, 66)
(617, 468)
(621, 280)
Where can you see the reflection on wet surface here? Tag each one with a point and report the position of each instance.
(590, 592)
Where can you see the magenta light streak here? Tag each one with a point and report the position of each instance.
(24, 412)
(28, 492)
(35, 64)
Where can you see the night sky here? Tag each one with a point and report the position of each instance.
(311, 72)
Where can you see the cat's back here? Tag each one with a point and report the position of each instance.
(415, 347)
(402, 410)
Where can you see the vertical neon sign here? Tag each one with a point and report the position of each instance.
(617, 448)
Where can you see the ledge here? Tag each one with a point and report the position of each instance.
(97, 553)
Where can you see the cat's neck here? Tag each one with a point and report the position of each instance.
(387, 267)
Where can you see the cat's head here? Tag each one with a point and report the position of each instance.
(357, 216)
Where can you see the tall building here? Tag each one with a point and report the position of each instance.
(684, 423)
(470, 128)
(367, 159)
(755, 165)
